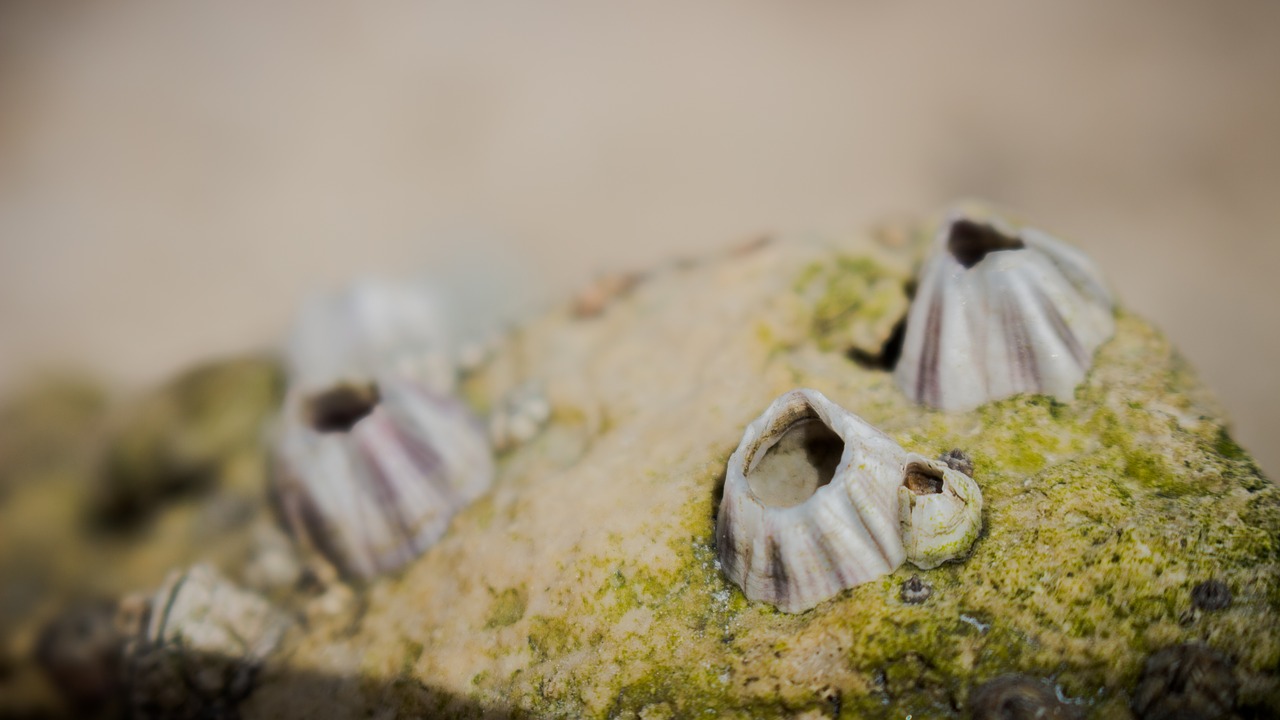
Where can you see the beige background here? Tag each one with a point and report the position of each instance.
(175, 175)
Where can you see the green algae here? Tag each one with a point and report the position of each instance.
(412, 652)
(854, 301)
(551, 637)
(1086, 470)
(508, 607)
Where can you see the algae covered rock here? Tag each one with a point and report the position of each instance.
(181, 437)
(174, 477)
(42, 429)
(585, 584)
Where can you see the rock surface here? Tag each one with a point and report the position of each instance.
(585, 583)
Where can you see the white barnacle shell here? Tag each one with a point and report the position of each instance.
(940, 510)
(1001, 311)
(203, 642)
(370, 474)
(810, 504)
(372, 327)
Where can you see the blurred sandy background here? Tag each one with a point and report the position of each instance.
(175, 175)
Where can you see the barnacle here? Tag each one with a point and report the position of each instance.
(202, 645)
(372, 327)
(810, 504)
(1017, 697)
(1211, 595)
(1186, 681)
(519, 416)
(370, 474)
(1001, 311)
(940, 509)
(915, 590)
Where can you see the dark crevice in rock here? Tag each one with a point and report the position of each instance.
(886, 358)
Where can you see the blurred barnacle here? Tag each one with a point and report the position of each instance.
(958, 460)
(372, 327)
(202, 647)
(370, 474)
(1211, 595)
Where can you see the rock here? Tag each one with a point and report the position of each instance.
(80, 651)
(42, 429)
(585, 583)
(1017, 697)
(856, 303)
(1186, 682)
(205, 429)
(181, 437)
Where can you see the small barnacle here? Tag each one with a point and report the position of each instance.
(1001, 311)
(1017, 697)
(203, 643)
(1184, 682)
(958, 460)
(915, 590)
(1211, 595)
(810, 504)
(940, 510)
(370, 474)
(519, 417)
(372, 328)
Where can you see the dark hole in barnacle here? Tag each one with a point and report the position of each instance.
(803, 458)
(922, 479)
(339, 408)
(970, 241)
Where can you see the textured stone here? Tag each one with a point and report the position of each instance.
(585, 583)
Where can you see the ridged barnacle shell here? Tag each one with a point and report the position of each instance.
(203, 642)
(810, 504)
(999, 311)
(371, 327)
(370, 474)
(940, 510)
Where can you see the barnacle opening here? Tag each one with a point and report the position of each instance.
(969, 241)
(339, 408)
(803, 457)
(922, 479)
